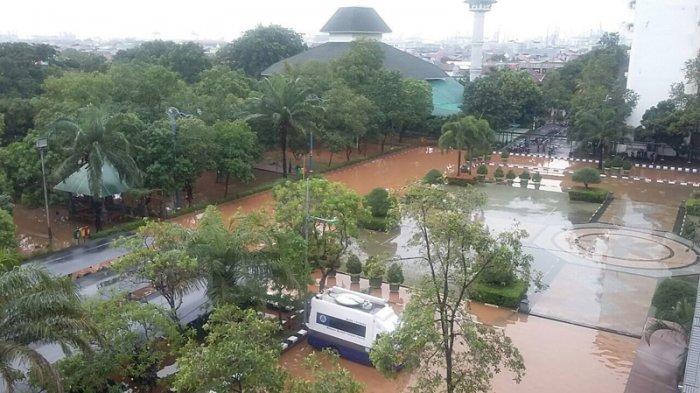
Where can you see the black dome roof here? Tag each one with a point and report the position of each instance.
(355, 20)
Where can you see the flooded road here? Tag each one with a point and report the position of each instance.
(560, 357)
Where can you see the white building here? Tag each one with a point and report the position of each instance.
(666, 35)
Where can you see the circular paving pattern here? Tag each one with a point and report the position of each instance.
(626, 248)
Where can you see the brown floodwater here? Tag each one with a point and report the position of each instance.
(559, 357)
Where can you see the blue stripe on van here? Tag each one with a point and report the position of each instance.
(319, 342)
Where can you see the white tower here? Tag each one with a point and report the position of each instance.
(479, 8)
(666, 35)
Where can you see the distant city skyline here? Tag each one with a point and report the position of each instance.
(218, 20)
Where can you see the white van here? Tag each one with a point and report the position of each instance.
(349, 322)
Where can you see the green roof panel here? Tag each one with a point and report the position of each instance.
(77, 183)
(448, 95)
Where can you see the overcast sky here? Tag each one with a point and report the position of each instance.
(226, 19)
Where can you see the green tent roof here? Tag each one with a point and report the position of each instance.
(77, 183)
(448, 95)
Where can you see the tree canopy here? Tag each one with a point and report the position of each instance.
(260, 48)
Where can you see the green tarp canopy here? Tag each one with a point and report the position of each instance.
(448, 95)
(77, 183)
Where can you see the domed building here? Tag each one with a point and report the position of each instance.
(352, 23)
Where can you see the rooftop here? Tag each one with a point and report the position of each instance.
(355, 20)
(407, 65)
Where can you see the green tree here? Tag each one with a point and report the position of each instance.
(454, 353)
(240, 354)
(333, 214)
(23, 68)
(326, 378)
(187, 59)
(7, 231)
(240, 261)
(599, 116)
(158, 255)
(236, 150)
(133, 340)
(37, 309)
(93, 145)
(221, 93)
(73, 59)
(260, 48)
(586, 176)
(18, 118)
(345, 120)
(288, 107)
(504, 97)
(470, 134)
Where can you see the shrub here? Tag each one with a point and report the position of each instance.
(616, 162)
(498, 173)
(508, 296)
(376, 223)
(7, 230)
(379, 202)
(536, 177)
(505, 154)
(375, 267)
(672, 298)
(394, 274)
(460, 181)
(626, 165)
(9, 258)
(692, 207)
(353, 265)
(586, 176)
(510, 175)
(497, 276)
(482, 170)
(433, 176)
(525, 175)
(594, 195)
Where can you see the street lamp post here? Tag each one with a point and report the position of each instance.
(42, 144)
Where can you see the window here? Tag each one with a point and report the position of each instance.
(346, 326)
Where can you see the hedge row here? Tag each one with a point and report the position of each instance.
(595, 195)
(692, 207)
(508, 296)
(460, 182)
(374, 223)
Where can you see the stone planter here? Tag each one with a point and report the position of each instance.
(499, 179)
(354, 278)
(510, 182)
(480, 177)
(375, 283)
(394, 288)
(523, 183)
(536, 184)
(616, 170)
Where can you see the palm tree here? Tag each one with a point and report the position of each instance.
(287, 106)
(467, 133)
(93, 144)
(36, 308)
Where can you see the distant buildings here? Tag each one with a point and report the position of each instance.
(666, 34)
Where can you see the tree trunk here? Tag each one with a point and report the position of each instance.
(330, 160)
(283, 145)
(459, 161)
(228, 176)
(383, 142)
(601, 154)
(97, 210)
(348, 151)
(189, 189)
(322, 281)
